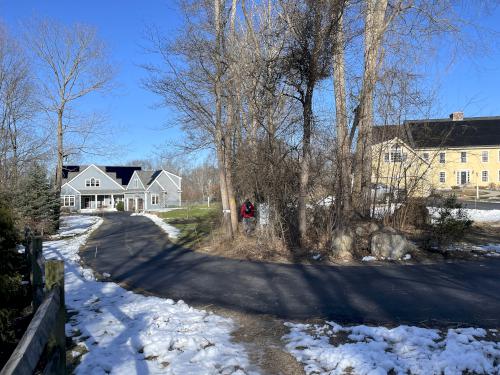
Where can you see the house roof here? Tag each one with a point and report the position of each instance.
(472, 131)
(121, 174)
(147, 177)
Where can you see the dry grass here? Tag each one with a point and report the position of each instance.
(254, 247)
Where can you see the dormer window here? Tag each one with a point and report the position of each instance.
(92, 182)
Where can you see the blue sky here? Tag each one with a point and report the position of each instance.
(470, 84)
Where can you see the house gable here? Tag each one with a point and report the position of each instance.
(92, 171)
(131, 183)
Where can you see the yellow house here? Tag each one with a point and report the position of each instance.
(438, 153)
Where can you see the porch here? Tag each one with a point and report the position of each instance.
(100, 201)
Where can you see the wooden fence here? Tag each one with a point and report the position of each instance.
(45, 333)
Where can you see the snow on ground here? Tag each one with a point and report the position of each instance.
(74, 225)
(172, 231)
(474, 214)
(368, 258)
(128, 333)
(332, 349)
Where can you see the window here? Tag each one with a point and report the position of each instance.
(463, 157)
(442, 177)
(155, 199)
(442, 157)
(425, 156)
(484, 176)
(499, 175)
(397, 155)
(485, 156)
(136, 183)
(386, 157)
(93, 182)
(67, 200)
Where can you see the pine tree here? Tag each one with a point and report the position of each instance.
(38, 202)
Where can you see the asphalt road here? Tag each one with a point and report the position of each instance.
(136, 252)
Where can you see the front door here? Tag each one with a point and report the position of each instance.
(86, 202)
(131, 206)
(463, 178)
(140, 204)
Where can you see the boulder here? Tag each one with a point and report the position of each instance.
(342, 244)
(366, 228)
(388, 244)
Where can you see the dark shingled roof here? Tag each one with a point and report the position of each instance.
(147, 177)
(119, 173)
(474, 131)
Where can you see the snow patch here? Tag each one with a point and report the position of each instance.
(75, 225)
(473, 214)
(368, 258)
(128, 333)
(172, 231)
(401, 350)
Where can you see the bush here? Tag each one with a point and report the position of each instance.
(13, 294)
(120, 206)
(451, 223)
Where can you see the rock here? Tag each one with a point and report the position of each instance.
(342, 244)
(389, 230)
(366, 229)
(389, 245)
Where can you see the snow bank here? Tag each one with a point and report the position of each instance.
(172, 231)
(128, 333)
(75, 225)
(473, 214)
(401, 350)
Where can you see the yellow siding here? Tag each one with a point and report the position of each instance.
(427, 171)
(473, 164)
(411, 173)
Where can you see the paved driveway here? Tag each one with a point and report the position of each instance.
(135, 251)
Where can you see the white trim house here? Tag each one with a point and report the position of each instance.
(102, 187)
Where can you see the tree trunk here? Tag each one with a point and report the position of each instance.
(219, 136)
(60, 151)
(374, 28)
(343, 187)
(304, 167)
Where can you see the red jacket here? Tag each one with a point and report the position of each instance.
(243, 211)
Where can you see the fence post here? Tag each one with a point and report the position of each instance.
(54, 278)
(36, 272)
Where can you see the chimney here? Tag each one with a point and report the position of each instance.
(457, 116)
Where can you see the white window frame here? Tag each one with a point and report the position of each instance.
(442, 157)
(442, 177)
(425, 156)
(155, 197)
(463, 156)
(92, 182)
(396, 154)
(483, 174)
(136, 183)
(68, 201)
(483, 154)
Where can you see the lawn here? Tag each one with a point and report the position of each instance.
(194, 222)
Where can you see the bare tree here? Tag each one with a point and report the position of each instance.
(73, 64)
(20, 140)
(311, 26)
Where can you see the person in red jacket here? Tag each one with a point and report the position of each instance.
(247, 213)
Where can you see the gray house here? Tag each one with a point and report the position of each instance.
(102, 187)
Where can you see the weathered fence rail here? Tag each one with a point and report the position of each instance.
(45, 333)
